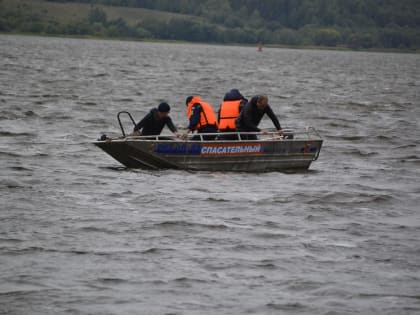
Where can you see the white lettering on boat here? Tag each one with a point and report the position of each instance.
(230, 149)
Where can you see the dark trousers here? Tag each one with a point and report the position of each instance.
(206, 129)
(227, 136)
(246, 136)
(249, 137)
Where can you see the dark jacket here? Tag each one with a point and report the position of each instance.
(152, 124)
(250, 117)
(234, 95)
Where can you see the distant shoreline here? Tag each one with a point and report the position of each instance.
(299, 47)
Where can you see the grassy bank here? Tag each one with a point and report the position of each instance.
(75, 12)
(72, 19)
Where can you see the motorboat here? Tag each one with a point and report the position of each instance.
(233, 152)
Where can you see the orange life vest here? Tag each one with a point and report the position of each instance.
(229, 111)
(207, 115)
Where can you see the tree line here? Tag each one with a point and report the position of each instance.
(354, 24)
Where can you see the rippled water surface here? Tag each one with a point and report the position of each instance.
(80, 234)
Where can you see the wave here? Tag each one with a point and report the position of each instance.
(16, 134)
(347, 138)
(266, 264)
(119, 168)
(9, 115)
(51, 95)
(340, 125)
(112, 280)
(358, 152)
(407, 146)
(38, 249)
(127, 71)
(10, 154)
(410, 159)
(30, 113)
(125, 99)
(11, 240)
(14, 154)
(16, 293)
(27, 250)
(54, 117)
(96, 121)
(11, 183)
(369, 106)
(289, 307)
(185, 224)
(355, 198)
(345, 198)
(215, 199)
(271, 235)
(355, 104)
(87, 103)
(385, 295)
(383, 137)
(97, 229)
(187, 279)
(155, 250)
(100, 75)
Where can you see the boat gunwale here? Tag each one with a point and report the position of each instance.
(276, 137)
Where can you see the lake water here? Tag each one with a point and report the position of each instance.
(80, 234)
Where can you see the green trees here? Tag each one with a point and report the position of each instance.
(97, 15)
(355, 24)
(326, 37)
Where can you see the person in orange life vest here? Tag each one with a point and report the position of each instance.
(201, 118)
(251, 115)
(229, 110)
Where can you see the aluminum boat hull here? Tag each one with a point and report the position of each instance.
(236, 155)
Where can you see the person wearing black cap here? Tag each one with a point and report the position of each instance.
(153, 123)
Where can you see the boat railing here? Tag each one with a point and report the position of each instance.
(119, 121)
(265, 134)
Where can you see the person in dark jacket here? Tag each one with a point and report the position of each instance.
(153, 123)
(251, 115)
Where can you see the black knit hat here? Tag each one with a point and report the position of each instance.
(188, 100)
(164, 108)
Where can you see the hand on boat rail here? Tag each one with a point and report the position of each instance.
(184, 134)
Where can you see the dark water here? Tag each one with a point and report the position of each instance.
(81, 235)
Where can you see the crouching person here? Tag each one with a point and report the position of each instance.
(153, 123)
(201, 118)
